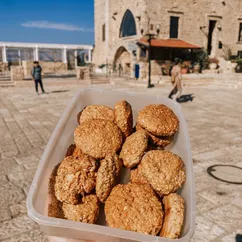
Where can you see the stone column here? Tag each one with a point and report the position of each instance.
(75, 54)
(64, 56)
(36, 53)
(4, 54)
(19, 55)
(89, 56)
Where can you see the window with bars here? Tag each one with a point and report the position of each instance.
(174, 27)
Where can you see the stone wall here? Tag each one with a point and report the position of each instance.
(3, 67)
(17, 73)
(194, 17)
(47, 67)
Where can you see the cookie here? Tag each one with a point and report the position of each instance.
(158, 120)
(136, 176)
(174, 216)
(164, 170)
(98, 138)
(75, 177)
(159, 141)
(134, 207)
(86, 211)
(123, 117)
(118, 164)
(134, 148)
(105, 178)
(55, 206)
(96, 112)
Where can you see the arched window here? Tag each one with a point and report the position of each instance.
(128, 26)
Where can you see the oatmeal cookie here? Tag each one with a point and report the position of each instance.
(158, 120)
(134, 148)
(105, 178)
(159, 141)
(136, 176)
(55, 206)
(164, 170)
(75, 177)
(123, 117)
(98, 138)
(96, 112)
(134, 207)
(86, 211)
(174, 216)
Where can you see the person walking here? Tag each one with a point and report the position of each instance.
(176, 79)
(36, 74)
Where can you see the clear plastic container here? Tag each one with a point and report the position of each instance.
(62, 137)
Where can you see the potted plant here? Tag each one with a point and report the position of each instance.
(213, 63)
(184, 68)
(238, 68)
(202, 60)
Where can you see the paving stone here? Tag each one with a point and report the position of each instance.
(206, 230)
(16, 226)
(203, 205)
(4, 214)
(10, 194)
(18, 208)
(231, 237)
(228, 217)
(28, 161)
(31, 236)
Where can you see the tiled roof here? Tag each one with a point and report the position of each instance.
(169, 43)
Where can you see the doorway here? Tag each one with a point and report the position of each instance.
(212, 25)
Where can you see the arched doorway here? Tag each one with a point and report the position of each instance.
(122, 61)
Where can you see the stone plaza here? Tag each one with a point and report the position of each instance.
(214, 119)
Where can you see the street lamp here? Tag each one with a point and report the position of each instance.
(150, 37)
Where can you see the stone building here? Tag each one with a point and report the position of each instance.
(215, 25)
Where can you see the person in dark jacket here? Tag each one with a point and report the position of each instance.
(36, 74)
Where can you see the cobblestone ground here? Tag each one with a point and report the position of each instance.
(214, 119)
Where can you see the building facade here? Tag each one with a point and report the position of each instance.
(215, 25)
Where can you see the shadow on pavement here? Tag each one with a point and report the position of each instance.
(59, 91)
(185, 98)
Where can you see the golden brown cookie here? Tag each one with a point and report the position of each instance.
(136, 176)
(86, 211)
(159, 141)
(174, 216)
(55, 206)
(134, 207)
(134, 148)
(98, 138)
(164, 170)
(75, 177)
(158, 120)
(105, 178)
(123, 117)
(118, 164)
(96, 112)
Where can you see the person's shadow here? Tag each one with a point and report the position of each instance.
(185, 98)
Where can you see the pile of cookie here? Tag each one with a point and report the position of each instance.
(106, 145)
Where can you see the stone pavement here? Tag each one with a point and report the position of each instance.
(214, 119)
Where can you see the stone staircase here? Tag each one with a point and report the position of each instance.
(5, 79)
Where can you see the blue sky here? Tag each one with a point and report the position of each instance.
(47, 21)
